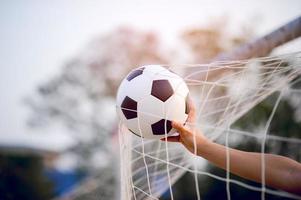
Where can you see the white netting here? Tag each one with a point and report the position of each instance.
(223, 92)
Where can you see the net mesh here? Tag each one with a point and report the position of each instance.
(223, 92)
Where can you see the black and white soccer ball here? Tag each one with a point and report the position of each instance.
(149, 99)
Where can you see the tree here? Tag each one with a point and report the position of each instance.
(81, 97)
(22, 177)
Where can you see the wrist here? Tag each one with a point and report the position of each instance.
(203, 146)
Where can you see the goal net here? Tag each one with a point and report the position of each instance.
(225, 93)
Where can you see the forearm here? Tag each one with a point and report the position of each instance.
(280, 172)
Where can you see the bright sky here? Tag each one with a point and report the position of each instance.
(37, 37)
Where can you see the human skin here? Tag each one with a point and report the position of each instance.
(280, 172)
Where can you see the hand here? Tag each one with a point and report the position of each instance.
(189, 135)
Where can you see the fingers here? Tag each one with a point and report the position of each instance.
(179, 127)
(172, 139)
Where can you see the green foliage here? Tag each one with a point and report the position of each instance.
(283, 124)
(21, 178)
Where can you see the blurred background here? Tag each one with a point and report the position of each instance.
(62, 61)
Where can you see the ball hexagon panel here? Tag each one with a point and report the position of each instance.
(161, 89)
(166, 74)
(139, 87)
(150, 109)
(152, 70)
(146, 130)
(140, 128)
(182, 90)
(129, 108)
(161, 127)
(175, 109)
(179, 86)
(132, 125)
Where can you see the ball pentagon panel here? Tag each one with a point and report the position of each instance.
(129, 108)
(133, 74)
(161, 89)
(187, 109)
(161, 127)
(177, 83)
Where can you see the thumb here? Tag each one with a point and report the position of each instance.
(179, 127)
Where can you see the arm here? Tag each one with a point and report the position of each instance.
(280, 172)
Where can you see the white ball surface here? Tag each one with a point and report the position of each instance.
(149, 98)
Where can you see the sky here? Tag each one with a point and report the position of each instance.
(38, 37)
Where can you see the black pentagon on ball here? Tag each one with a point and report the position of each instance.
(187, 109)
(134, 133)
(129, 108)
(158, 128)
(135, 73)
(162, 89)
(171, 71)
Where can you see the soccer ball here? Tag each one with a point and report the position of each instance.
(149, 99)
